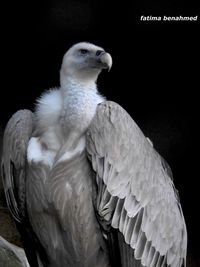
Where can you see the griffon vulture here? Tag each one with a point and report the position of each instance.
(84, 185)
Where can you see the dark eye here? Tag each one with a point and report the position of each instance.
(83, 51)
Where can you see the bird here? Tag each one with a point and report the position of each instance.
(83, 183)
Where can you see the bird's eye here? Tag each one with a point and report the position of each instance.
(83, 51)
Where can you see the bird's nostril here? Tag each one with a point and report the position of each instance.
(98, 53)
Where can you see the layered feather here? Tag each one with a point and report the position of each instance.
(135, 193)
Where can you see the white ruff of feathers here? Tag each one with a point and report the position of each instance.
(62, 110)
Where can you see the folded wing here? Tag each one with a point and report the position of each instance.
(14, 163)
(134, 192)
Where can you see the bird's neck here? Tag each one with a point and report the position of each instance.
(71, 84)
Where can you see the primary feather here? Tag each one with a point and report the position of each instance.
(119, 208)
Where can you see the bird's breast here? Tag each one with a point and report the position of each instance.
(62, 214)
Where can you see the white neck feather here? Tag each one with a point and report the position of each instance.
(63, 115)
(70, 85)
(84, 79)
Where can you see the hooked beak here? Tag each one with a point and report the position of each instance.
(105, 59)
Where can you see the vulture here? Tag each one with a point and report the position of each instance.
(84, 184)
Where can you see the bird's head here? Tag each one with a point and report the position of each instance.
(84, 61)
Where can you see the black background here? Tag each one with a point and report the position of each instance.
(154, 75)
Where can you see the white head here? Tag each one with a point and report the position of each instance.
(83, 62)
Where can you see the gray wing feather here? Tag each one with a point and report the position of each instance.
(14, 164)
(135, 193)
(15, 141)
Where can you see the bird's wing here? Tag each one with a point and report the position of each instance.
(15, 141)
(16, 137)
(135, 197)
